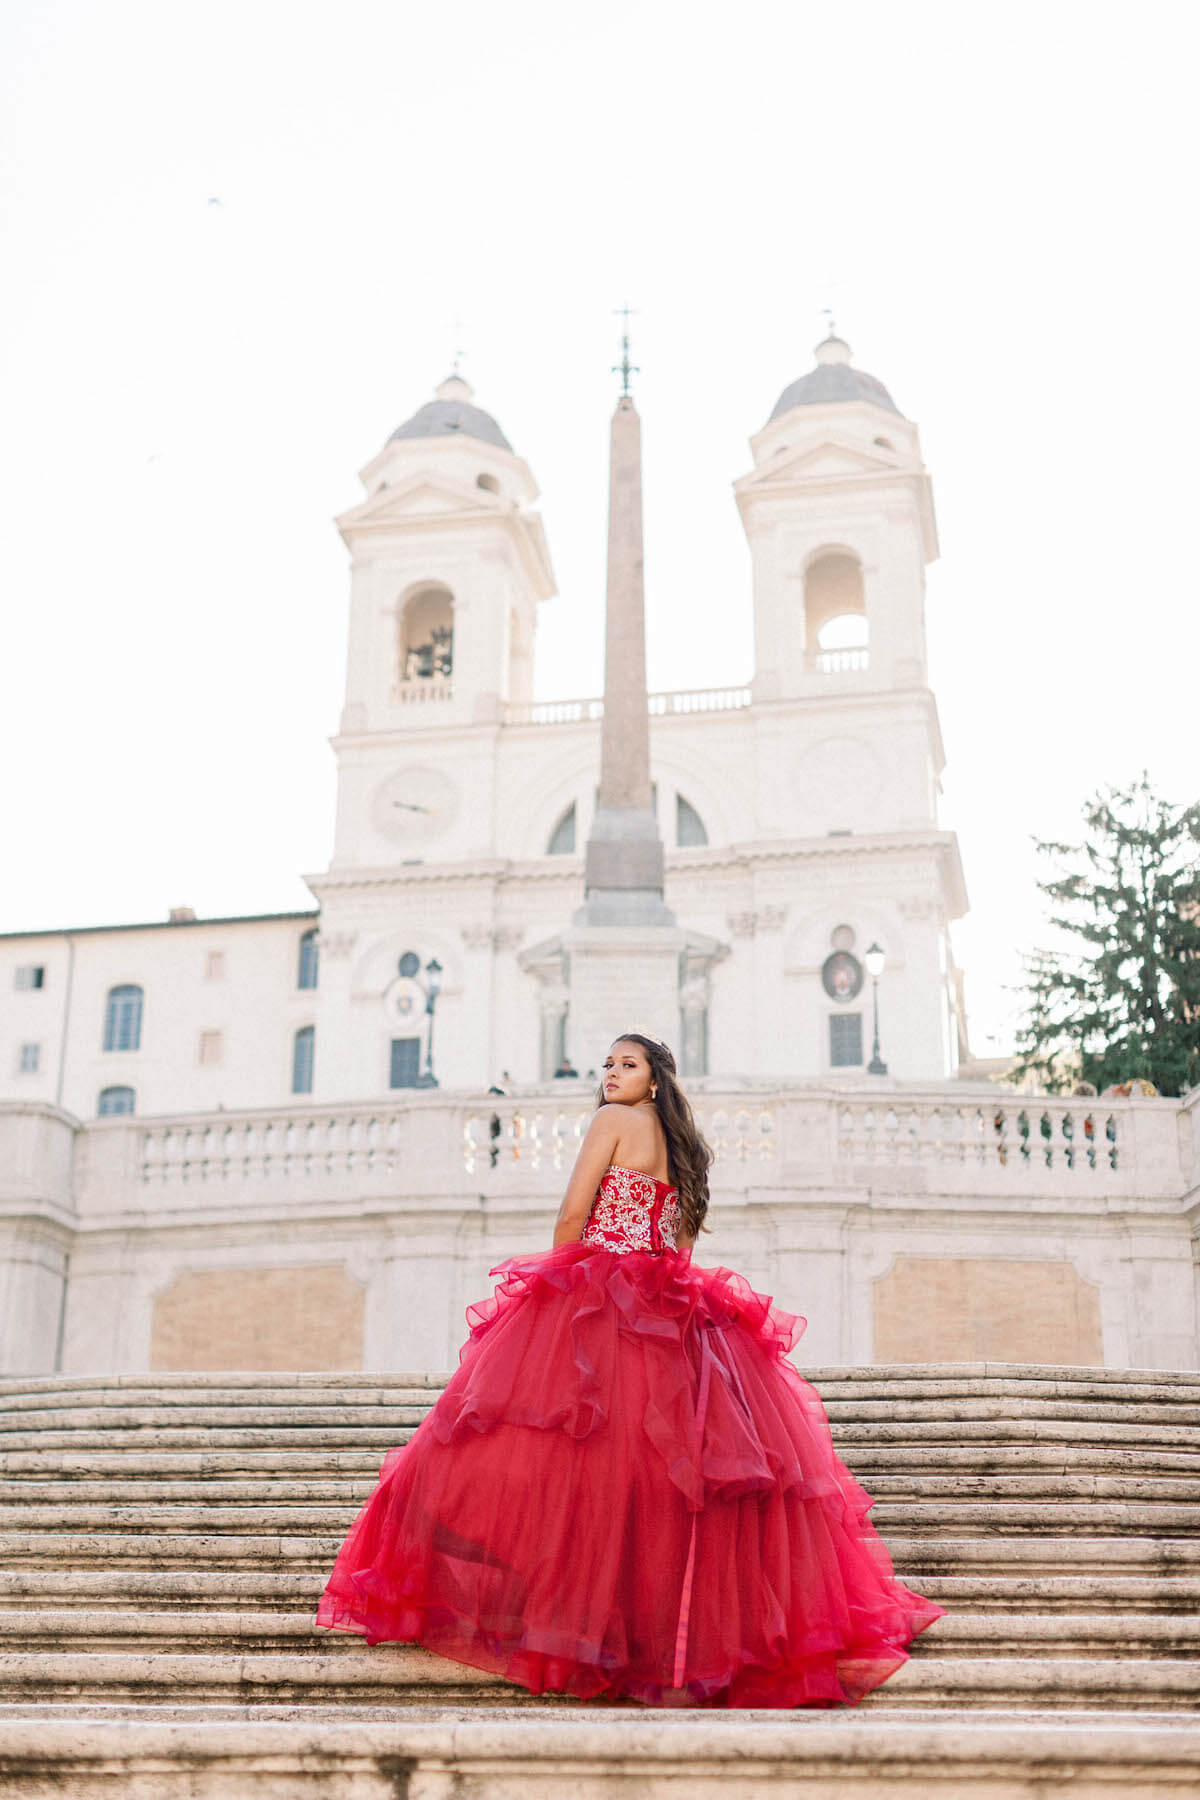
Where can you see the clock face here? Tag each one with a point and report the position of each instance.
(413, 806)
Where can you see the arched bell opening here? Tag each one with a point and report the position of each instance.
(426, 635)
(836, 632)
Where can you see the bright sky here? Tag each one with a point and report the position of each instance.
(237, 240)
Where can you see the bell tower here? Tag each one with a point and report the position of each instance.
(448, 565)
(838, 511)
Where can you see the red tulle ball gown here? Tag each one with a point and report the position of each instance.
(626, 1490)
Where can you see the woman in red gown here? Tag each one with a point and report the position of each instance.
(627, 1490)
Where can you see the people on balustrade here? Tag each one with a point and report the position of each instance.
(627, 1491)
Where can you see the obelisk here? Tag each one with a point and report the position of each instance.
(623, 876)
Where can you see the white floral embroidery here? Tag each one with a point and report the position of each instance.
(633, 1211)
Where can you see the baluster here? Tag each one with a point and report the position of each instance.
(152, 1163)
(1046, 1128)
(977, 1142)
(1067, 1131)
(741, 1135)
(1110, 1134)
(393, 1137)
(766, 1136)
(1089, 1140)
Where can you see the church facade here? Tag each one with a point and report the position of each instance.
(302, 1141)
(798, 814)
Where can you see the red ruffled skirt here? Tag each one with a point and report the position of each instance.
(626, 1490)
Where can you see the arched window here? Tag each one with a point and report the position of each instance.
(114, 1100)
(835, 613)
(562, 838)
(426, 635)
(123, 1019)
(689, 826)
(306, 973)
(304, 1046)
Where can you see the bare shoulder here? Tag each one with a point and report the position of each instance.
(607, 1121)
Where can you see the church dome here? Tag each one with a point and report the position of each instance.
(451, 414)
(834, 380)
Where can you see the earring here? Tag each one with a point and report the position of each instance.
(654, 1093)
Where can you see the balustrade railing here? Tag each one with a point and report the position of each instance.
(265, 1149)
(842, 662)
(574, 712)
(1033, 1133)
(421, 691)
(452, 1145)
(537, 1137)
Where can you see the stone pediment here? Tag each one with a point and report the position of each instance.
(424, 496)
(821, 461)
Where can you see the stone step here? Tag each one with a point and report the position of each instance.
(265, 1406)
(1022, 1634)
(240, 1589)
(341, 1489)
(868, 1457)
(399, 1674)
(14, 1408)
(1016, 1558)
(75, 1468)
(378, 1436)
(918, 1557)
(543, 1754)
(934, 1516)
(901, 1379)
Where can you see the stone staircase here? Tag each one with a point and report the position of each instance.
(163, 1541)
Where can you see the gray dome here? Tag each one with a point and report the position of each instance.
(834, 380)
(452, 415)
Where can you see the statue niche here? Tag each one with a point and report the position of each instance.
(426, 635)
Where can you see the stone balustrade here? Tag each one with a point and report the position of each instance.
(1024, 1135)
(453, 1144)
(574, 712)
(422, 690)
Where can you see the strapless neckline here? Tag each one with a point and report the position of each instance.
(624, 1169)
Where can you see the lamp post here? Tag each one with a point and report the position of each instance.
(431, 987)
(874, 958)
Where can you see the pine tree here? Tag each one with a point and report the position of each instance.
(1121, 998)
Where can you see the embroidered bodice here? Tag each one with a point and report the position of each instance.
(633, 1211)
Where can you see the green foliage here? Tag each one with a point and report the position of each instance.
(1121, 998)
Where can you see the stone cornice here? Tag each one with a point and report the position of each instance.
(743, 859)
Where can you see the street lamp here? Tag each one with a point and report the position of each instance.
(431, 987)
(874, 958)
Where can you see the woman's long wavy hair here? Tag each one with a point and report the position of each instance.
(688, 1156)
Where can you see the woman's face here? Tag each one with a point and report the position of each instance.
(627, 1077)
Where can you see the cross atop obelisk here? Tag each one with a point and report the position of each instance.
(624, 870)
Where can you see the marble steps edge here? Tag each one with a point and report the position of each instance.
(378, 1438)
(545, 1752)
(217, 1466)
(249, 1591)
(936, 1552)
(1166, 1487)
(401, 1672)
(378, 1414)
(1004, 1518)
(997, 1633)
(820, 1374)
